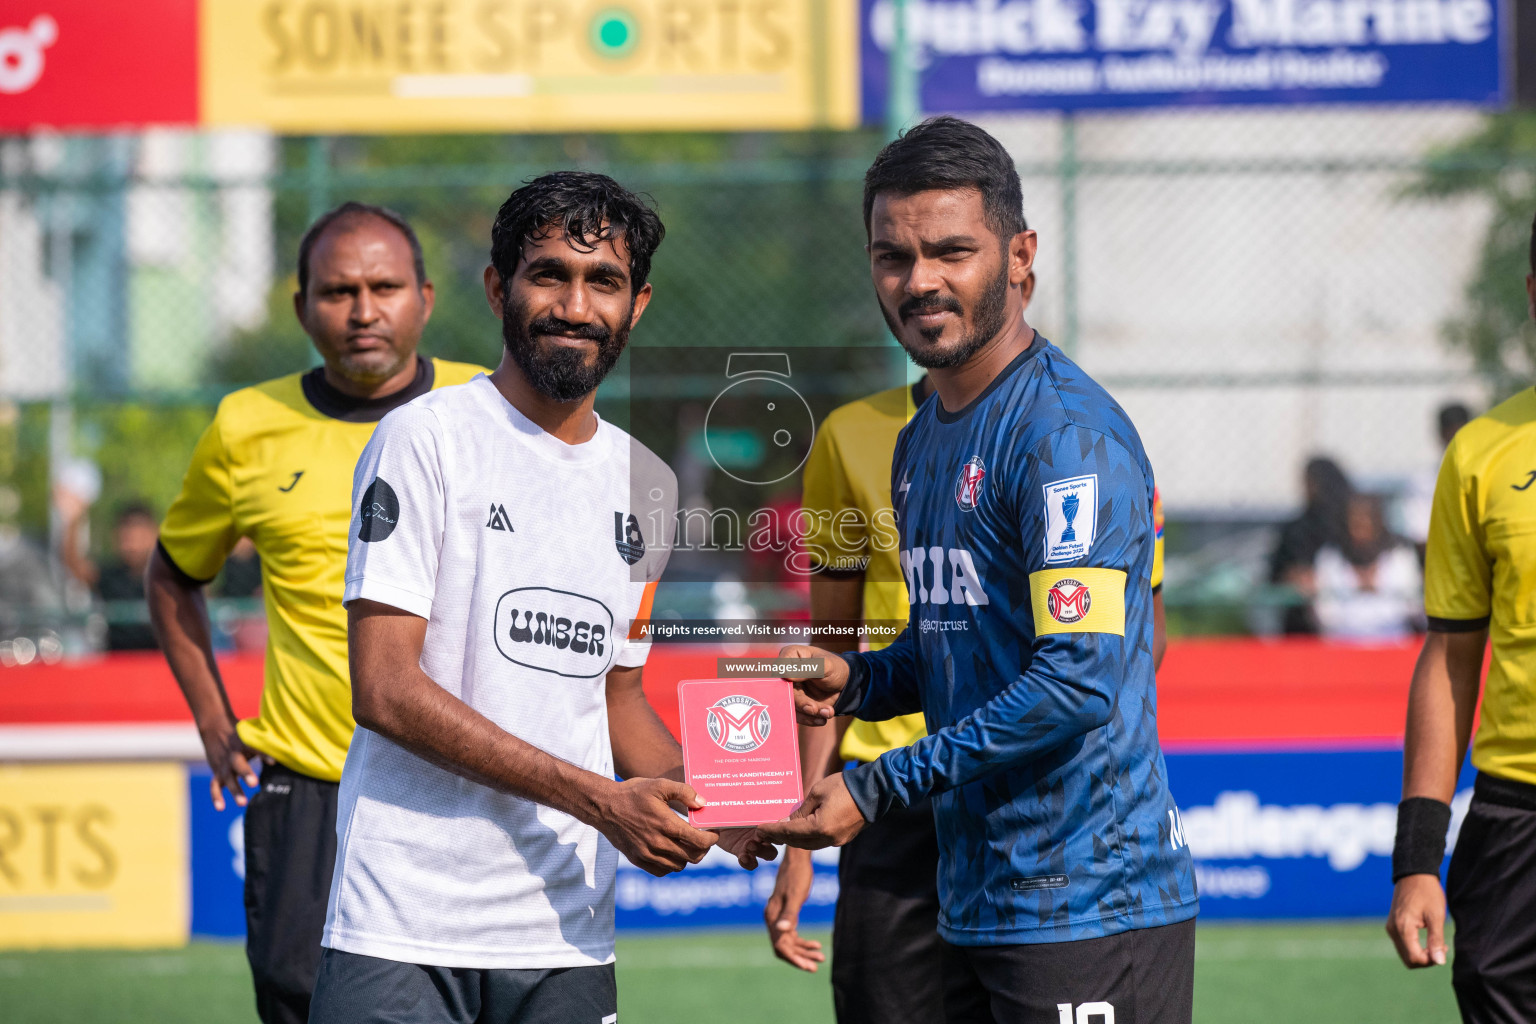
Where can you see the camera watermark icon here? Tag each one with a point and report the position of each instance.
(759, 406)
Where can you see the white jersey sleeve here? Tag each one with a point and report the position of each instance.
(398, 512)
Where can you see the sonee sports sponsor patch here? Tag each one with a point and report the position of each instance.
(1071, 518)
(378, 513)
(1078, 601)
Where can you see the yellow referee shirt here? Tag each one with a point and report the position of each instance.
(1480, 571)
(276, 465)
(849, 468)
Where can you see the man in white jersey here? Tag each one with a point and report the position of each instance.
(504, 541)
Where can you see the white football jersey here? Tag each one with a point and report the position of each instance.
(529, 558)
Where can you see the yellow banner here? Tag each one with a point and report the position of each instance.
(528, 65)
(93, 855)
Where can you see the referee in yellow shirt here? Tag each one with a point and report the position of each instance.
(1479, 583)
(276, 465)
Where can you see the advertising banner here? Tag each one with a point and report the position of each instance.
(1294, 834)
(218, 860)
(84, 63)
(93, 855)
(529, 65)
(979, 55)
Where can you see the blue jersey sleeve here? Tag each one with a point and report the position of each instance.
(882, 684)
(1085, 517)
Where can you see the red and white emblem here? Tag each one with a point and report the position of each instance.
(1068, 601)
(968, 487)
(738, 723)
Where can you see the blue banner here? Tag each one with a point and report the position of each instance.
(1303, 834)
(1275, 834)
(981, 55)
(218, 861)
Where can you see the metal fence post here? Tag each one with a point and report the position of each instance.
(317, 175)
(902, 101)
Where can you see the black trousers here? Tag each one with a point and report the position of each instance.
(1491, 893)
(1145, 976)
(356, 989)
(290, 853)
(886, 951)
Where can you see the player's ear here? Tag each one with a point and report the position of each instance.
(301, 310)
(1021, 257)
(494, 292)
(642, 299)
(428, 300)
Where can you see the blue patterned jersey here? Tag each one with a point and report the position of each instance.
(1027, 542)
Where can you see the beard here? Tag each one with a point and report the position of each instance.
(986, 321)
(558, 372)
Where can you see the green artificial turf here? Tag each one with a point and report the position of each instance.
(1316, 973)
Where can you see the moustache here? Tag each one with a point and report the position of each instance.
(552, 325)
(936, 304)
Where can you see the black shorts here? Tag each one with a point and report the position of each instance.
(290, 852)
(355, 989)
(1145, 976)
(886, 953)
(1491, 894)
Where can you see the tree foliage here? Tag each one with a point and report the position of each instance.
(1498, 164)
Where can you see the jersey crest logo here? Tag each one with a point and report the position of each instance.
(1068, 601)
(738, 723)
(499, 520)
(627, 538)
(968, 486)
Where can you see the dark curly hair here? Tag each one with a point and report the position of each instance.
(946, 153)
(587, 209)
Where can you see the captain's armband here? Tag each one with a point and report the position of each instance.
(1078, 601)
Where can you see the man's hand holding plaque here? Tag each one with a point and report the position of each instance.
(815, 697)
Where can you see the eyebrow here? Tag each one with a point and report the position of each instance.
(556, 263)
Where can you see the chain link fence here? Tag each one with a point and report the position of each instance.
(1257, 288)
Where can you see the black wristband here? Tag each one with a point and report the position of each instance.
(1420, 846)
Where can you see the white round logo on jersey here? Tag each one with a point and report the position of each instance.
(738, 723)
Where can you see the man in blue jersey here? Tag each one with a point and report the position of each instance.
(1024, 505)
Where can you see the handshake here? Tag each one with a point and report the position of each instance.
(638, 817)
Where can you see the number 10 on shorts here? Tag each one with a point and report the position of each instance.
(1086, 1012)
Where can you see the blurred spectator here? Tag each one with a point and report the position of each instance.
(1369, 587)
(1323, 521)
(1420, 493)
(118, 580)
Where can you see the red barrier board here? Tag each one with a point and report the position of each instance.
(1211, 693)
(90, 64)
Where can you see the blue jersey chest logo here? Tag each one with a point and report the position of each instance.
(968, 486)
